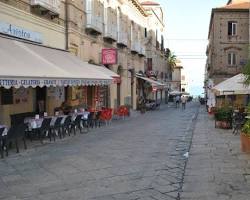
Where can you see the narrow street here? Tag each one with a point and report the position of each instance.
(136, 158)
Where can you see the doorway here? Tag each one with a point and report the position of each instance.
(40, 100)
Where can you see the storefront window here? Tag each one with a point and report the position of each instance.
(6, 96)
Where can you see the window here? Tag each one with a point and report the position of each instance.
(150, 64)
(231, 59)
(6, 96)
(232, 25)
(145, 33)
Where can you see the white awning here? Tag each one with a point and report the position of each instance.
(116, 78)
(152, 82)
(232, 86)
(26, 64)
(107, 71)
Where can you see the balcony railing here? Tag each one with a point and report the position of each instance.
(110, 24)
(94, 18)
(135, 47)
(49, 5)
(94, 23)
(142, 50)
(122, 38)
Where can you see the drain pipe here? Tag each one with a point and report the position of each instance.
(66, 25)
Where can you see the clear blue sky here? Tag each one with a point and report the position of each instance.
(187, 23)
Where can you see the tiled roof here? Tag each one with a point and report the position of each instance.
(244, 5)
(149, 3)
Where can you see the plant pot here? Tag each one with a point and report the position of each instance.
(222, 124)
(225, 124)
(217, 124)
(245, 143)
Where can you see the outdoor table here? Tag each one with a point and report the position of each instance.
(84, 114)
(5, 130)
(33, 123)
(36, 123)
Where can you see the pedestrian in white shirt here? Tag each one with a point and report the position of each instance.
(183, 102)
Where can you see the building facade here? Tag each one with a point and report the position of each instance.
(176, 82)
(124, 36)
(33, 28)
(227, 51)
(228, 48)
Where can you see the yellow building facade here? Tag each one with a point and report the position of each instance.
(86, 28)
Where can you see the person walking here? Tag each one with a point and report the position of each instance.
(183, 102)
(177, 101)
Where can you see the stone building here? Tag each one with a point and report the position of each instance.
(227, 51)
(228, 48)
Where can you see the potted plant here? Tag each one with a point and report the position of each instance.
(223, 117)
(245, 137)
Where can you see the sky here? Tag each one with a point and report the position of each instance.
(186, 31)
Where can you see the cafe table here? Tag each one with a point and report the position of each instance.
(5, 131)
(34, 123)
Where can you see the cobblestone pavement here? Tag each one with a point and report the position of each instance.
(136, 158)
(216, 168)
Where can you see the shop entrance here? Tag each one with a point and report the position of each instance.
(40, 99)
(90, 96)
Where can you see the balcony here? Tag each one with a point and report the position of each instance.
(135, 47)
(94, 11)
(142, 51)
(122, 39)
(110, 32)
(50, 7)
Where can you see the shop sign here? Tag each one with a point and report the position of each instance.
(8, 83)
(109, 56)
(16, 31)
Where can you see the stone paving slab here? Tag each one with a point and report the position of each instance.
(216, 168)
(139, 158)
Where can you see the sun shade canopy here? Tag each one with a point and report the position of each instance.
(232, 86)
(26, 64)
(154, 83)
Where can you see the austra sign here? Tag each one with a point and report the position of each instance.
(12, 30)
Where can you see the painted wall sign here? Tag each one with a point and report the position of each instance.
(109, 56)
(12, 30)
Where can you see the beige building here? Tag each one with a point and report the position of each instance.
(128, 33)
(43, 83)
(227, 51)
(176, 83)
(14, 18)
(132, 28)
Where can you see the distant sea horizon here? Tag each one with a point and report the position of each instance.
(196, 91)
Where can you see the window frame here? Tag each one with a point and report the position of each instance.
(7, 96)
(231, 59)
(232, 28)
